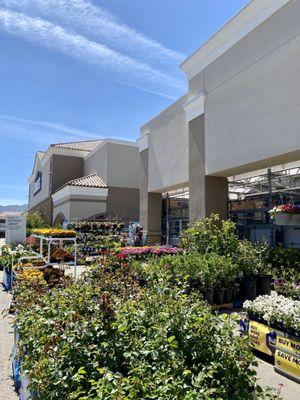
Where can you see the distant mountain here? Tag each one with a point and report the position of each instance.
(13, 207)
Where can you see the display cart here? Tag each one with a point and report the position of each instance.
(60, 240)
(26, 258)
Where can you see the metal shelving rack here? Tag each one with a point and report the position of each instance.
(49, 240)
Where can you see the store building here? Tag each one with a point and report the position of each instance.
(3, 217)
(240, 115)
(78, 180)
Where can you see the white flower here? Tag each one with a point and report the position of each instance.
(277, 309)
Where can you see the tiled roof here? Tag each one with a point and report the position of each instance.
(92, 180)
(87, 145)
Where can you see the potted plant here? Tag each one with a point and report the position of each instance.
(207, 276)
(286, 214)
(228, 276)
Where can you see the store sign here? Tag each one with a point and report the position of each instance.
(262, 338)
(287, 363)
(15, 229)
(37, 183)
(288, 344)
(287, 356)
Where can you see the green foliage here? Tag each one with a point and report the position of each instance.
(196, 271)
(250, 258)
(284, 260)
(211, 235)
(35, 221)
(108, 336)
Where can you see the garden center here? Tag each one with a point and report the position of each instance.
(169, 268)
(95, 318)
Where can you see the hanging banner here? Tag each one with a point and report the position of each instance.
(262, 338)
(288, 364)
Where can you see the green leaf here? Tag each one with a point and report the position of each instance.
(122, 328)
(171, 338)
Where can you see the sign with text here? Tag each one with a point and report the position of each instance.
(262, 337)
(287, 363)
(15, 229)
(37, 183)
(289, 344)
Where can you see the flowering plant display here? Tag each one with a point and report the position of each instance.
(54, 232)
(287, 288)
(285, 209)
(31, 275)
(95, 237)
(97, 226)
(145, 251)
(277, 311)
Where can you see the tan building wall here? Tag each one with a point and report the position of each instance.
(123, 203)
(65, 169)
(97, 162)
(244, 85)
(79, 209)
(87, 208)
(168, 148)
(123, 165)
(116, 163)
(252, 98)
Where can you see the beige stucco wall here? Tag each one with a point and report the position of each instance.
(86, 208)
(65, 169)
(122, 165)
(63, 209)
(123, 203)
(77, 208)
(97, 162)
(252, 106)
(168, 148)
(116, 163)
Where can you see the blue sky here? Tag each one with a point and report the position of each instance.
(79, 69)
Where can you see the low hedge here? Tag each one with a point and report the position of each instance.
(108, 336)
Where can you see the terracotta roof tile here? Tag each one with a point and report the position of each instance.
(92, 180)
(87, 145)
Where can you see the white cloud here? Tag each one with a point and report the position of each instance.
(98, 23)
(56, 127)
(42, 132)
(120, 67)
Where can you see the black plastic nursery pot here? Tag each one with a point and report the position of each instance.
(228, 295)
(263, 285)
(209, 296)
(219, 296)
(249, 288)
(235, 292)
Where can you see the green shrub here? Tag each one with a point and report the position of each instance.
(203, 272)
(211, 235)
(109, 337)
(250, 258)
(35, 221)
